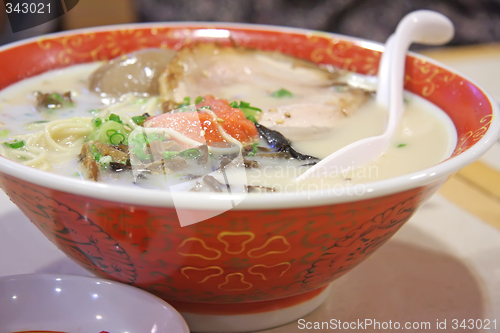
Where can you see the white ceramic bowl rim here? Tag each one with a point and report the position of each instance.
(217, 201)
(85, 284)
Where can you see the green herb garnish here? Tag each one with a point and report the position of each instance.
(139, 152)
(97, 121)
(116, 118)
(254, 150)
(190, 153)
(116, 138)
(14, 145)
(249, 111)
(140, 101)
(170, 154)
(4, 132)
(185, 102)
(97, 155)
(401, 145)
(139, 120)
(198, 99)
(104, 130)
(281, 93)
(156, 137)
(341, 88)
(54, 100)
(58, 97)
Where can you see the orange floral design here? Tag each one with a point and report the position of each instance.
(232, 247)
(270, 272)
(200, 275)
(123, 41)
(274, 245)
(473, 136)
(190, 247)
(429, 76)
(335, 51)
(72, 47)
(235, 243)
(235, 282)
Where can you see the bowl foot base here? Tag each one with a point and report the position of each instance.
(246, 317)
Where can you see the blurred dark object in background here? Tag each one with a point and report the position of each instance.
(6, 35)
(476, 21)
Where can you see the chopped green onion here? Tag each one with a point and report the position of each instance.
(116, 138)
(114, 117)
(110, 132)
(249, 111)
(401, 145)
(341, 88)
(170, 154)
(140, 101)
(281, 93)
(139, 152)
(14, 145)
(190, 153)
(198, 99)
(105, 160)
(97, 121)
(254, 150)
(96, 153)
(156, 137)
(4, 132)
(185, 102)
(139, 120)
(58, 97)
(252, 119)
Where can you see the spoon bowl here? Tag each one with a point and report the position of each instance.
(424, 27)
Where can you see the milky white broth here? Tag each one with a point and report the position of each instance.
(424, 138)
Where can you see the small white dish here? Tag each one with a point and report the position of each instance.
(78, 304)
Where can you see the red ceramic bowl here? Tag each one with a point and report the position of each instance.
(270, 259)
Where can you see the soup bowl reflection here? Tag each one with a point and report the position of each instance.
(271, 251)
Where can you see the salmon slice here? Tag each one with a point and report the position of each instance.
(208, 125)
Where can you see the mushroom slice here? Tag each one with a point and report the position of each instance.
(136, 72)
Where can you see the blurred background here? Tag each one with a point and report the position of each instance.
(476, 21)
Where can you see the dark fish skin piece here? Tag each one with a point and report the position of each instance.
(279, 143)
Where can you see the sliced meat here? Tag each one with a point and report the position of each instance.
(107, 150)
(88, 161)
(296, 97)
